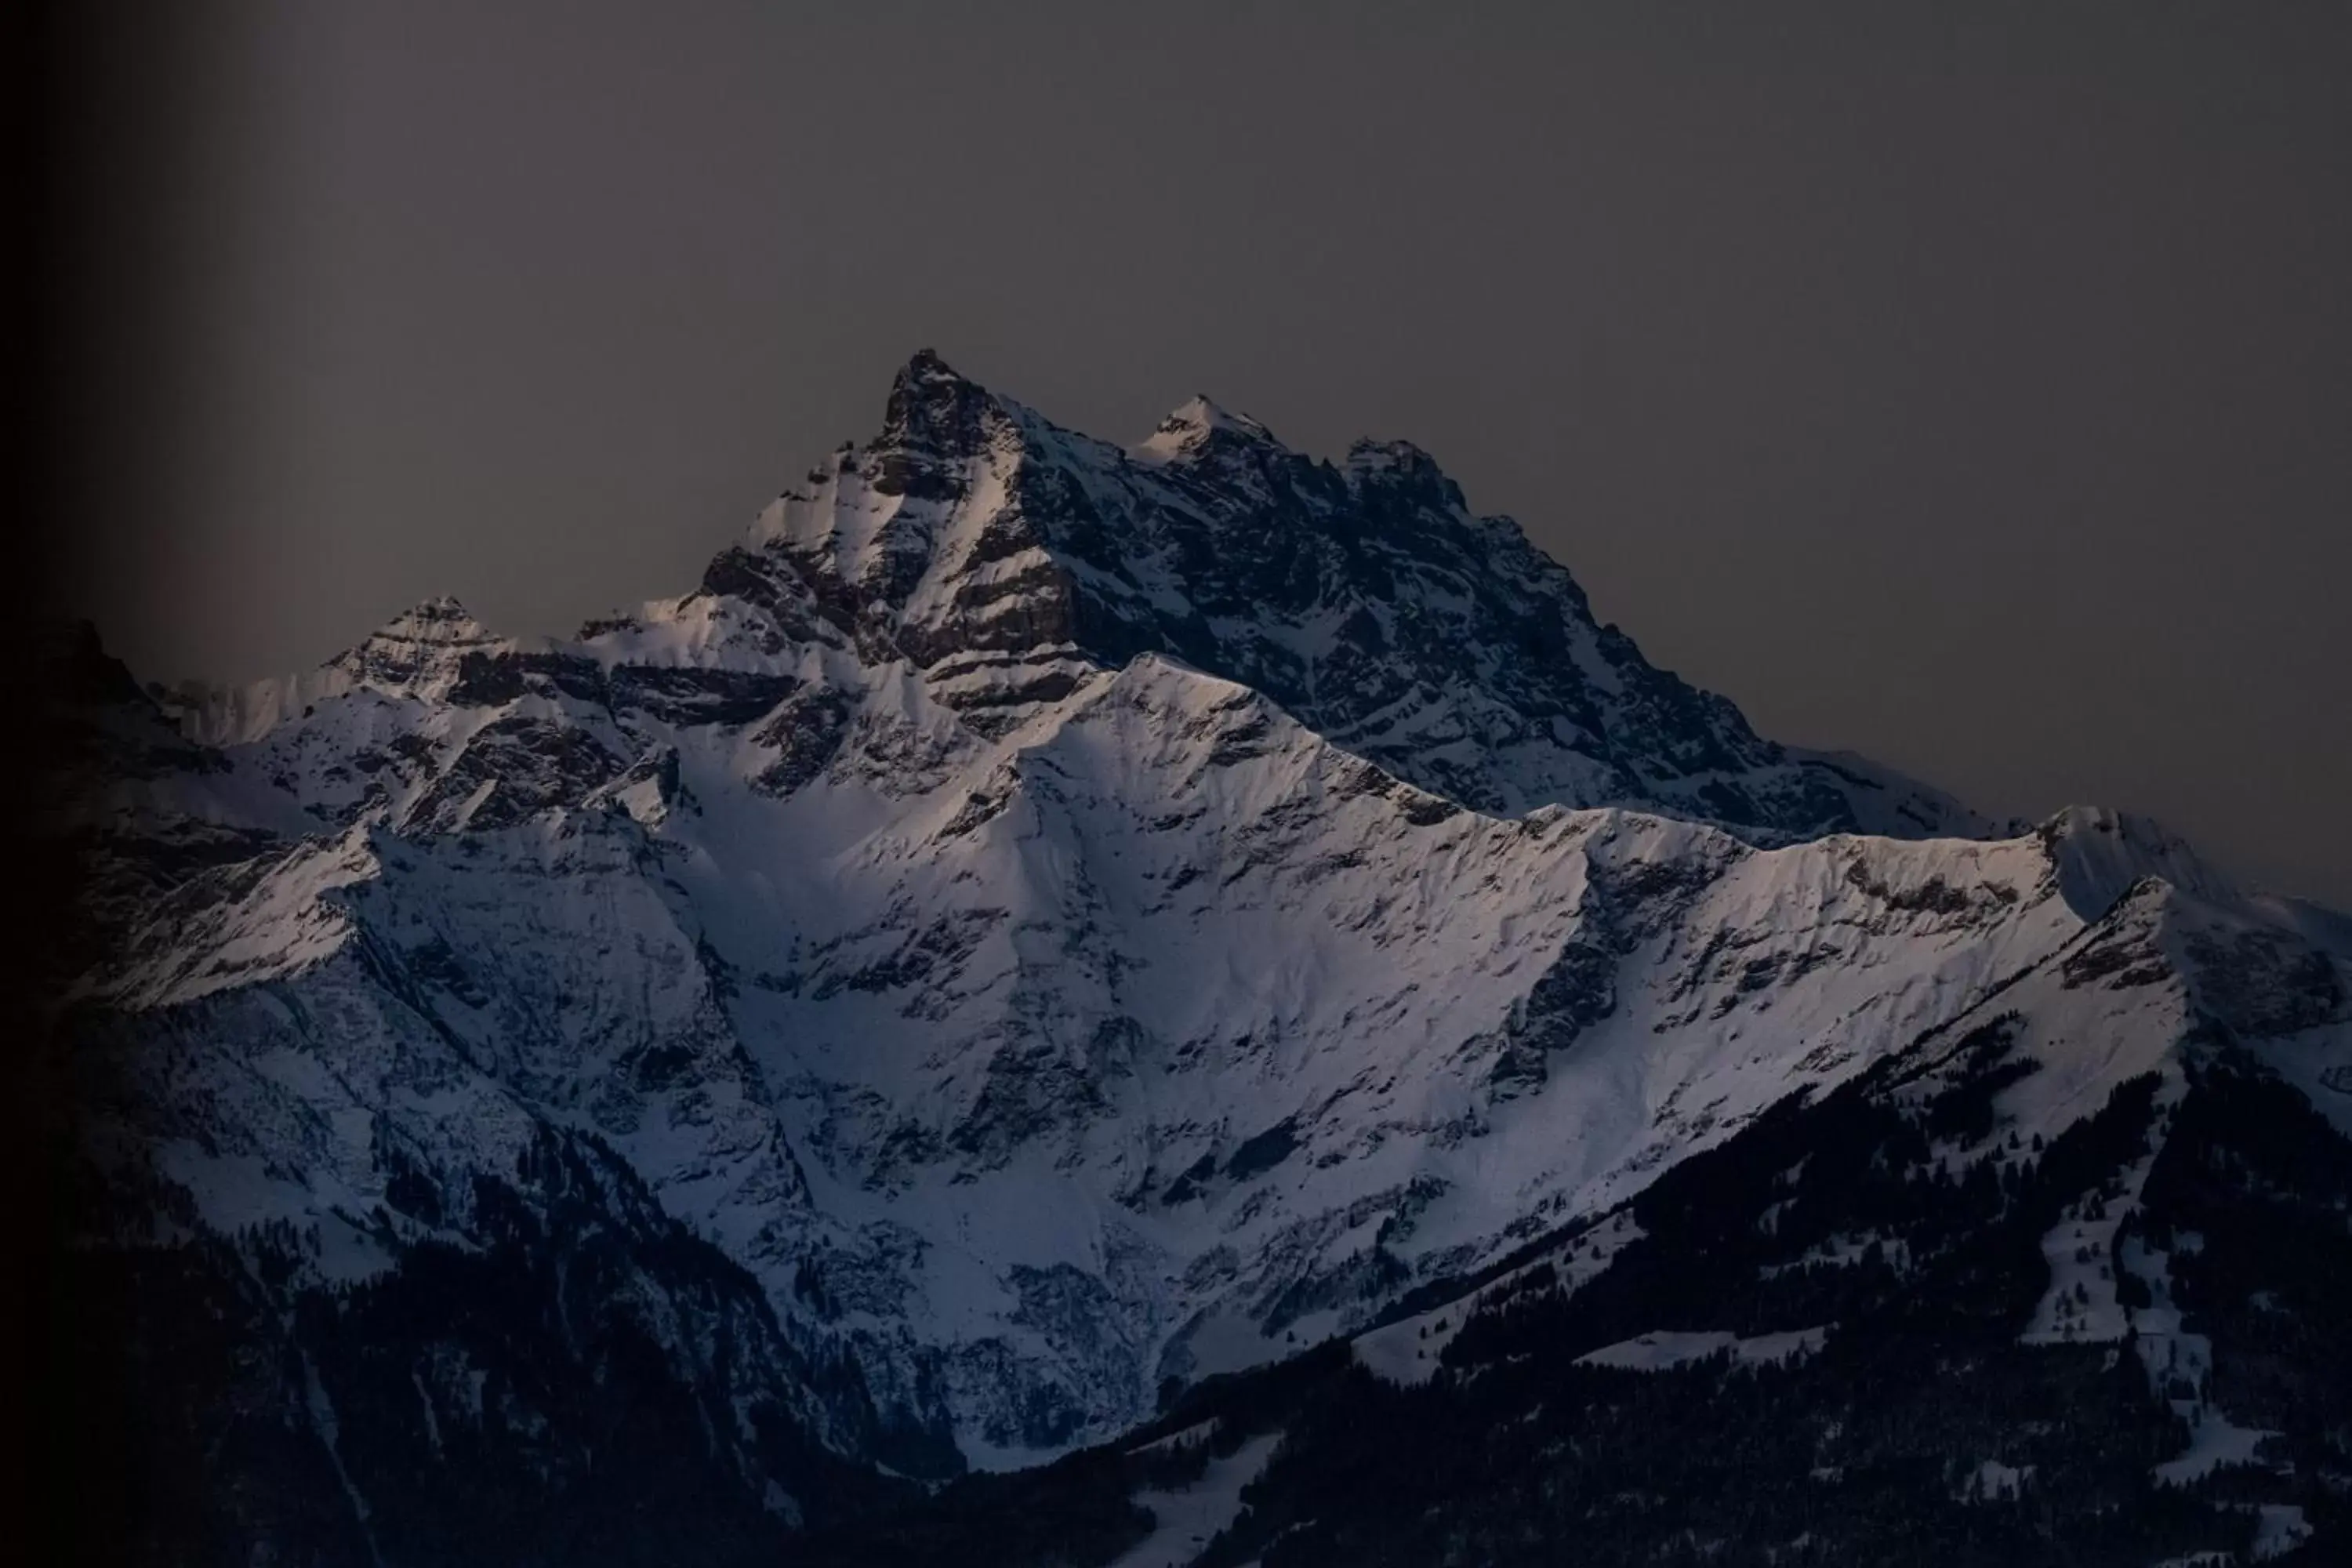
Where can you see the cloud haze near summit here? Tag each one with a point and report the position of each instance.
(1970, 390)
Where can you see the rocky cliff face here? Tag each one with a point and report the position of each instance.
(1039, 925)
(987, 547)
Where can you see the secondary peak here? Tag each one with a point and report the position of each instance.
(440, 619)
(933, 405)
(1194, 423)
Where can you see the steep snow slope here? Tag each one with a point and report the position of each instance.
(1142, 1038)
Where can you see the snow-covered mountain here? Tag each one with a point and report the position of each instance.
(1040, 925)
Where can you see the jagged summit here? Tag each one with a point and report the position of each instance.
(925, 367)
(1371, 458)
(419, 652)
(935, 420)
(1194, 425)
(1371, 601)
(440, 620)
(928, 400)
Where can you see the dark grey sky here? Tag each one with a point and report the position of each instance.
(1970, 385)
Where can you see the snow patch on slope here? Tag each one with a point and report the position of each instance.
(1662, 1349)
(1185, 1520)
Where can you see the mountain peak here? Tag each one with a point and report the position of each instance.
(1371, 601)
(934, 409)
(1399, 468)
(926, 367)
(2100, 854)
(417, 653)
(441, 619)
(1194, 423)
(1367, 454)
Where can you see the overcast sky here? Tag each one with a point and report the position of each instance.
(1970, 386)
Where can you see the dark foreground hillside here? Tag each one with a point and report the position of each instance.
(1921, 1430)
